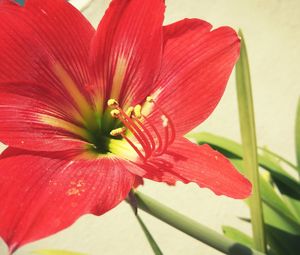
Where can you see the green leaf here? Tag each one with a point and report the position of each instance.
(269, 195)
(293, 204)
(275, 247)
(56, 252)
(230, 148)
(272, 155)
(279, 221)
(283, 242)
(297, 135)
(153, 244)
(287, 183)
(282, 234)
(132, 200)
(237, 235)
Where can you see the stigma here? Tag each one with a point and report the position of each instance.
(147, 137)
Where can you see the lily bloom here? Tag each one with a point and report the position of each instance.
(86, 114)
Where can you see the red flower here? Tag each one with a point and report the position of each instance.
(85, 112)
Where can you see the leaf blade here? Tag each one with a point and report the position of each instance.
(269, 195)
(248, 134)
(237, 235)
(155, 248)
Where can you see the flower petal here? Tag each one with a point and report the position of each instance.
(196, 66)
(188, 162)
(44, 63)
(43, 194)
(43, 29)
(126, 51)
(26, 122)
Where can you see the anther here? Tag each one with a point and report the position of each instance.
(138, 111)
(115, 113)
(165, 120)
(129, 111)
(112, 103)
(150, 141)
(150, 99)
(118, 131)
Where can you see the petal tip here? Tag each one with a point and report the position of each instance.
(244, 191)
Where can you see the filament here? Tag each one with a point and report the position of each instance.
(143, 129)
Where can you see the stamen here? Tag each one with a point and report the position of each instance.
(138, 111)
(165, 145)
(148, 133)
(134, 147)
(169, 122)
(128, 123)
(113, 103)
(165, 120)
(134, 120)
(135, 130)
(115, 113)
(155, 131)
(118, 131)
(173, 131)
(129, 111)
(150, 99)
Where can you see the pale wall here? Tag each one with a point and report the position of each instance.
(271, 28)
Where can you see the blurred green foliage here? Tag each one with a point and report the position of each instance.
(280, 193)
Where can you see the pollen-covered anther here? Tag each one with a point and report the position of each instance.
(138, 111)
(150, 99)
(118, 131)
(130, 111)
(165, 120)
(112, 103)
(115, 113)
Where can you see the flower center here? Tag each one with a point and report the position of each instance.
(147, 137)
(132, 133)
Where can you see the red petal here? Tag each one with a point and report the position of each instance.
(8, 2)
(26, 122)
(40, 36)
(34, 40)
(138, 182)
(43, 194)
(196, 65)
(126, 50)
(188, 162)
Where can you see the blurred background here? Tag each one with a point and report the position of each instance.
(272, 32)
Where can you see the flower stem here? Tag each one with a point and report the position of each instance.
(248, 133)
(192, 227)
(153, 244)
(132, 201)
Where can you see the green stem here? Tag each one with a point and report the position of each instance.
(132, 201)
(153, 244)
(192, 227)
(248, 133)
